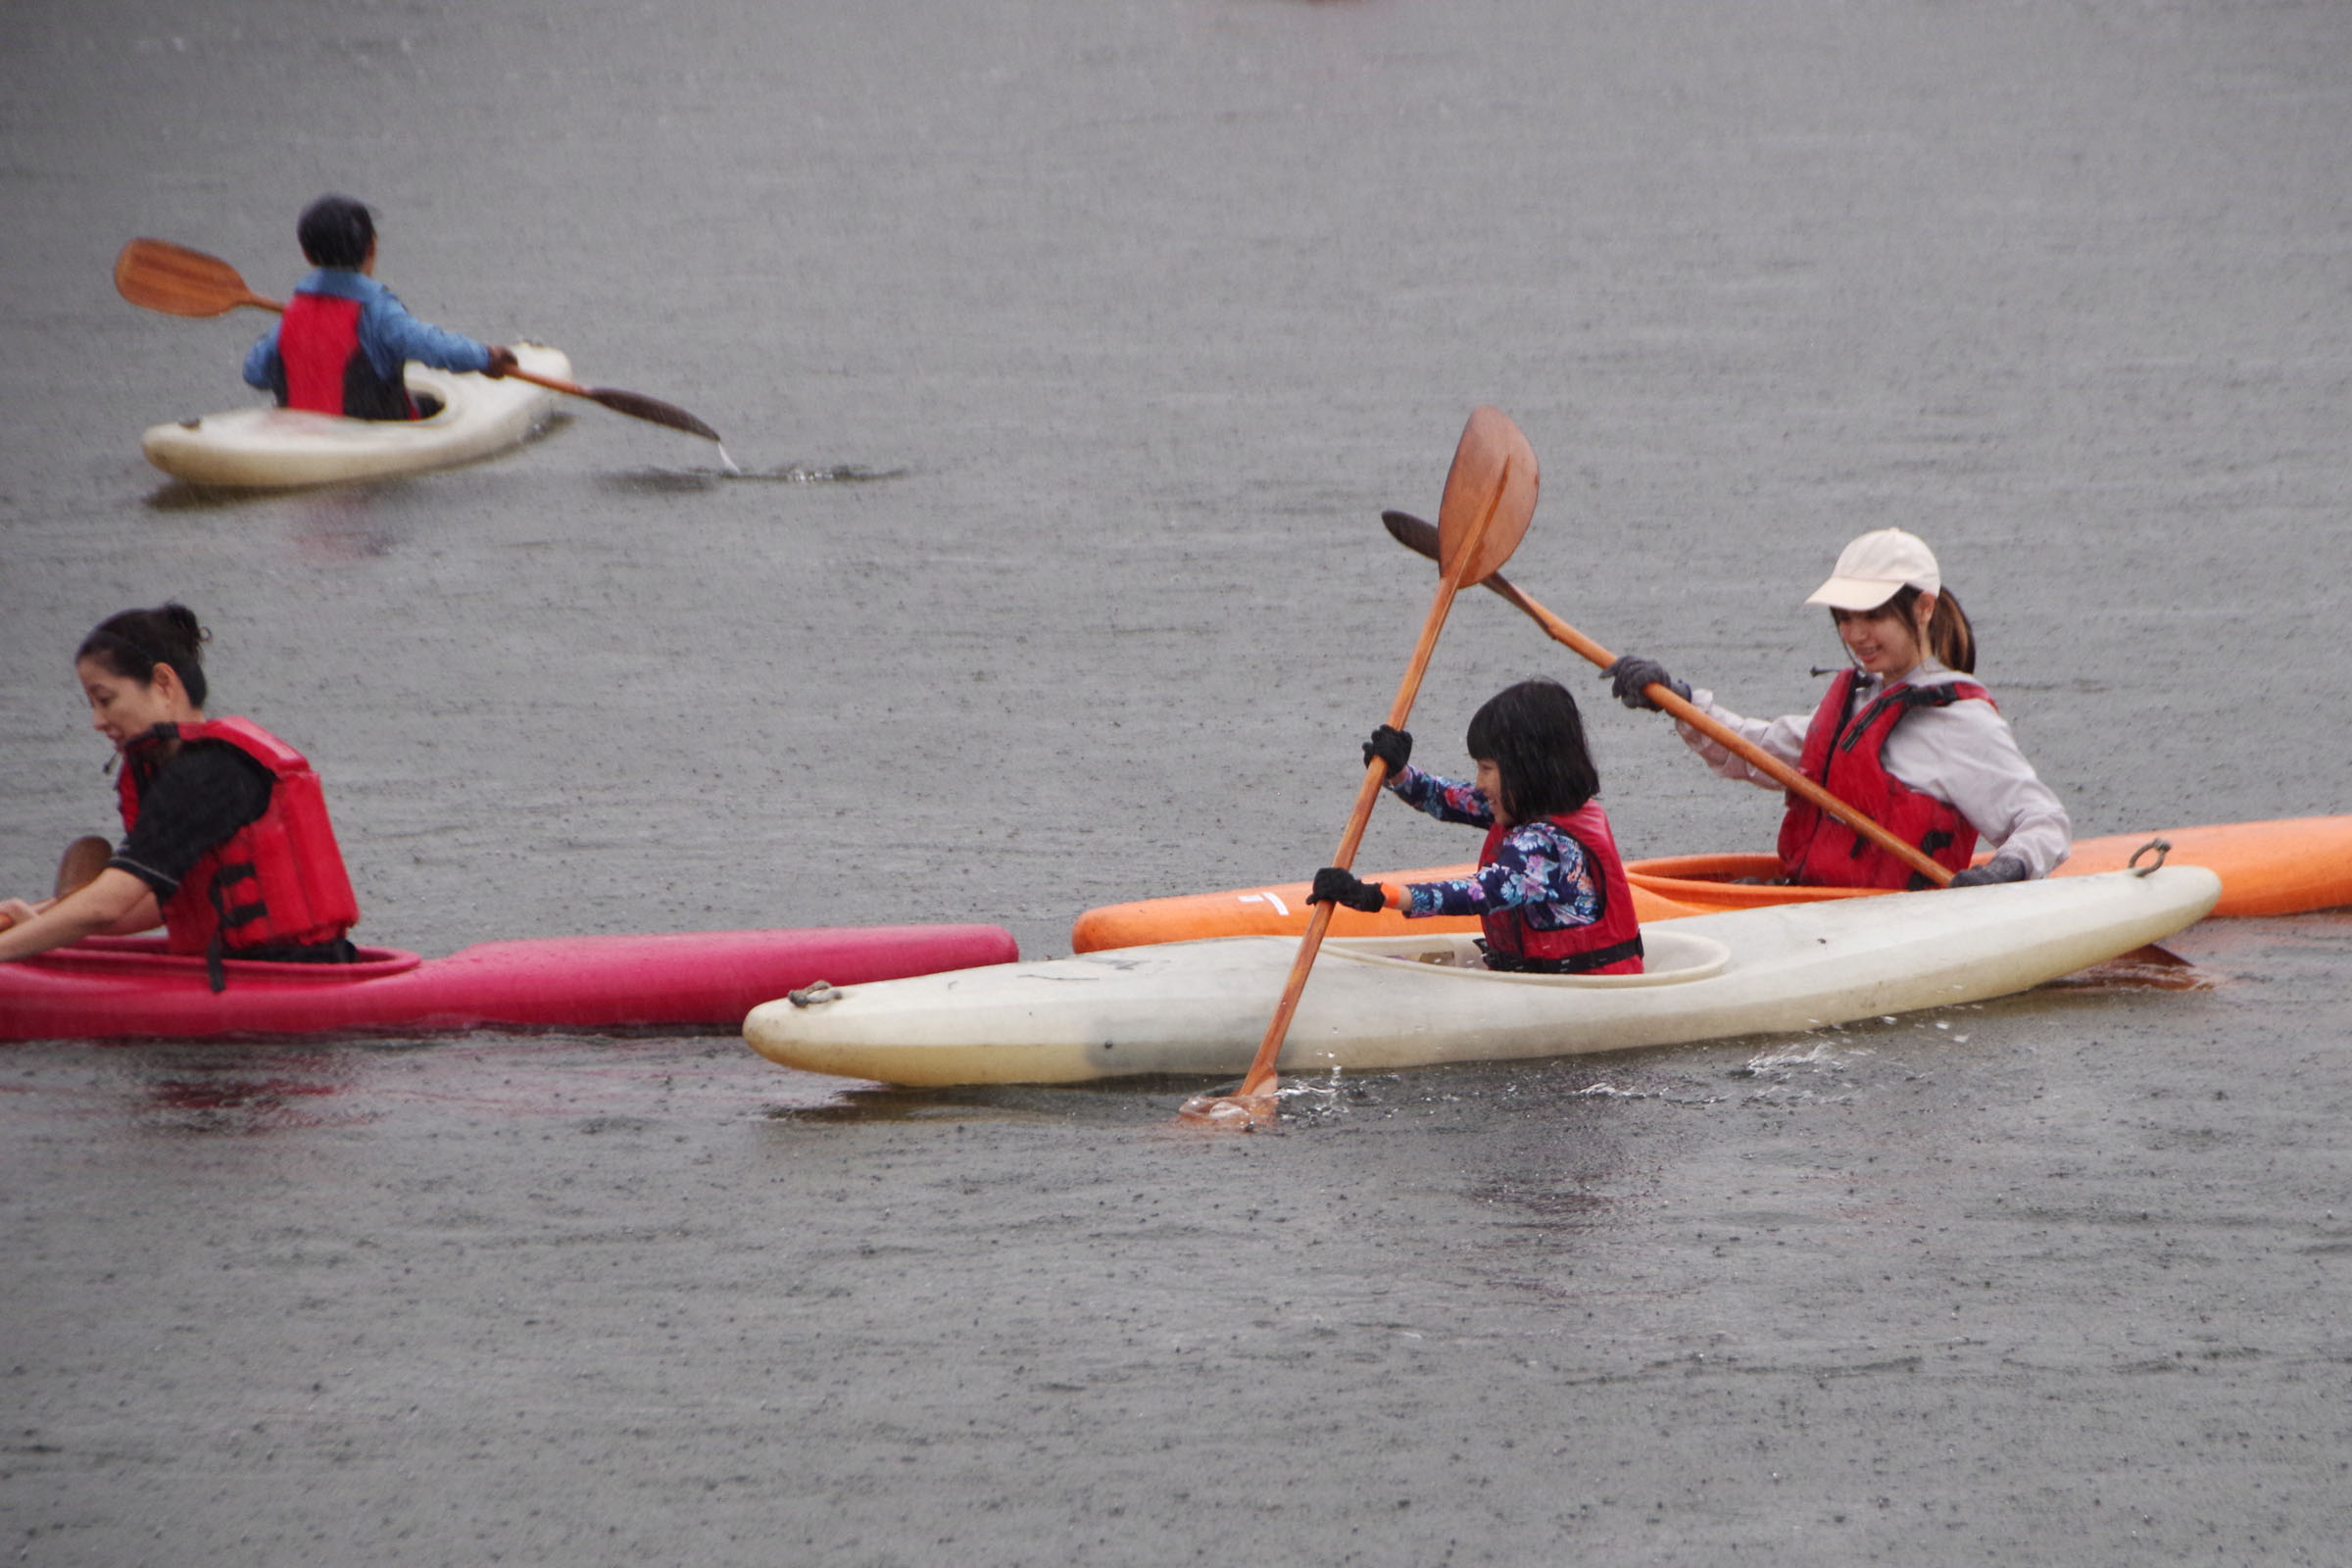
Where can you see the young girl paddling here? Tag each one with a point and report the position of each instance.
(1550, 887)
(1902, 735)
(226, 840)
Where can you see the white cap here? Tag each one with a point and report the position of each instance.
(1877, 567)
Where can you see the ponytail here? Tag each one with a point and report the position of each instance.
(1951, 641)
(1950, 638)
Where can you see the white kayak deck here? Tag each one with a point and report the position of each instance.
(1378, 1004)
(274, 448)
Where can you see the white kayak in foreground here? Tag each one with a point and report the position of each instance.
(272, 448)
(1378, 1003)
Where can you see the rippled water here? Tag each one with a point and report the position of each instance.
(1071, 353)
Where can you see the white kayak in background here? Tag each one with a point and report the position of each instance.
(272, 448)
(1198, 1008)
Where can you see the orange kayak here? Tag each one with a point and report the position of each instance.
(2281, 867)
(1281, 909)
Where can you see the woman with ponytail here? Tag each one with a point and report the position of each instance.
(1902, 734)
(227, 842)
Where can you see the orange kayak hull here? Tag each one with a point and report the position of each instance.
(2288, 867)
(1279, 909)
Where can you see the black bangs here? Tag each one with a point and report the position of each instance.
(1534, 737)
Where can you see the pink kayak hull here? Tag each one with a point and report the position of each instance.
(109, 986)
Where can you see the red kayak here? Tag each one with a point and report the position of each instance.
(116, 986)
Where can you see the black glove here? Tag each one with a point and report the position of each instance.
(1628, 675)
(1336, 885)
(1393, 745)
(2000, 869)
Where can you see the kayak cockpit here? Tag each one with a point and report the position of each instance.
(147, 959)
(1669, 957)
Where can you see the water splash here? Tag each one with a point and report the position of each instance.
(1310, 1101)
(823, 473)
(1784, 1058)
(1804, 1074)
(655, 481)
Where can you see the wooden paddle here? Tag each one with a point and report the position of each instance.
(1414, 534)
(77, 870)
(178, 281)
(1490, 500)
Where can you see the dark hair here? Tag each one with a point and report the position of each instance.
(1534, 737)
(1950, 638)
(336, 231)
(132, 641)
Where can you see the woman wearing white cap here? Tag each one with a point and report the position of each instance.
(1902, 735)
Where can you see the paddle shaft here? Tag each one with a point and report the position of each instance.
(1262, 1074)
(1740, 745)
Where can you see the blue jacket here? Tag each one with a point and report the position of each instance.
(388, 333)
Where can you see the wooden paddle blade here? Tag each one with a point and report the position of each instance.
(1414, 533)
(82, 862)
(637, 405)
(1493, 472)
(158, 275)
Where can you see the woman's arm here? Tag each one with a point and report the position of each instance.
(1967, 754)
(116, 904)
(1783, 738)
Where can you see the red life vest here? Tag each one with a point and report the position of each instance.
(1610, 945)
(277, 881)
(326, 370)
(1845, 756)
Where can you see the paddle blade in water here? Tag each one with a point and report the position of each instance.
(160, 276)
(637, 405)
(1493, 470)
(1234, 1113)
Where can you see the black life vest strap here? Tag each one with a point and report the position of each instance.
(1574, 963)
(226, 914)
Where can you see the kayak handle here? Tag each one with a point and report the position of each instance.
(2162, 847)
(811, 996)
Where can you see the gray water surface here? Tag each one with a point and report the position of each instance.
(1123, 322)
